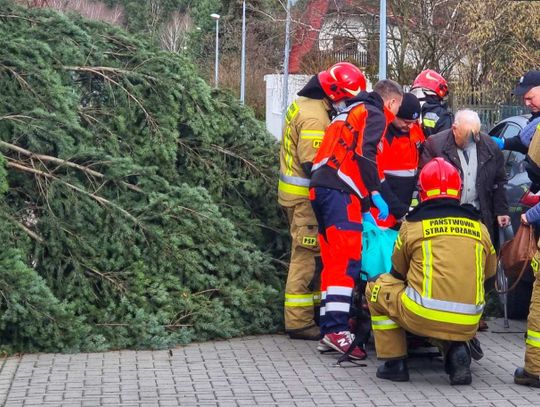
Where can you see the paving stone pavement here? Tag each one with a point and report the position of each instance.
(269, 370)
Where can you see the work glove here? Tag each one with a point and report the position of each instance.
(498, 141)
(367, 217)
(381, 205)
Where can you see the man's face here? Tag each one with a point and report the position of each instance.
(393, 104)
(532, 99)
(403, 125)
(464, 133)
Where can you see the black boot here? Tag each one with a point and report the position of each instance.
(395, 370)
(458, 364)
(521, 376)
(312, 333)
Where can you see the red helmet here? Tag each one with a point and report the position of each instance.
(439, 179)
(429, 79)
(343, 80)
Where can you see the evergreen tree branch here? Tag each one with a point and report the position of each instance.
(59, 161)
(96, 71)
(26, 230)
(243, 159)
(11, 163)
(108, 69)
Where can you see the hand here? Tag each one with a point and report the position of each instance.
(381, 205)
(524, 219)
(368, 218)
(503, 220)
(499, 141)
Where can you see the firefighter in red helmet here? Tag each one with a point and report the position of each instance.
(305, 123)
(430, 291)
(431, 90)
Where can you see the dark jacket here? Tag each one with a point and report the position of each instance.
(514, 143)
(435, 116)
(491, 176)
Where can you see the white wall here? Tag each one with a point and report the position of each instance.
(274, 99)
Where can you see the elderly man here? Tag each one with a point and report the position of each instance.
(480, 164)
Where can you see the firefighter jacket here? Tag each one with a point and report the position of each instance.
(435, 116)
(347, 158)
(444, 253)
(305, 123)
(398, 167)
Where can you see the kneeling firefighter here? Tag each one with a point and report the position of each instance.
(431, 291)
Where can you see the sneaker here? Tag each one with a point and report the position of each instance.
(323, 347)
(341, 341)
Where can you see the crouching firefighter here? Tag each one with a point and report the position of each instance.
(442, 256)
(343, 182)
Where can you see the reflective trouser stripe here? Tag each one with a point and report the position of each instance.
(441, 316)
(299, 300)
(427, 268)
(339, 290)
(533, 338)
(298, 181)
(337, 307)
(383, 323)
(316, 297)
(293, 189)
(479, 274)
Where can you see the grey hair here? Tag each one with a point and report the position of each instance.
(467, 116)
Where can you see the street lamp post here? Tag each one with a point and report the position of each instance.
(216, 69)
(286, 60)
(382, 40)
(243, 65)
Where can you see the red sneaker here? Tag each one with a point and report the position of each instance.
(341, 341)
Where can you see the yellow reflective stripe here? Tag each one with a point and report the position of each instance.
(441, 316)
(316, 297)
(427, 268)
(299, 300)
(292, 111)
(293, 189)
(287, 145)
(429, 122)
(398, 242)
(432, 192)
(312, 134)
(534, 265)
(383, 323)
(533, 338)
(479, 274)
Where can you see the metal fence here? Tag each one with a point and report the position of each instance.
(491, 114)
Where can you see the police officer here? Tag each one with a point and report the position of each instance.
(344, 183)
(431, 89)
(305, 123)
(431, 291)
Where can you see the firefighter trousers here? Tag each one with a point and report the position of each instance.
(340, 237)
(302, 291)
(532, 343)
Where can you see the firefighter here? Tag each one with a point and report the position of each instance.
(431, 90)
(344, 180)
(398, 160)
(305, 123)
(431, 291)
(529, 375)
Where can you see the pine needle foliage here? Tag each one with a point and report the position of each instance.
(137, 204)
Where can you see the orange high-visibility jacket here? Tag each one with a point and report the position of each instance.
(350, 145)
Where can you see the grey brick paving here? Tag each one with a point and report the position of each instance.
(266, 370)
